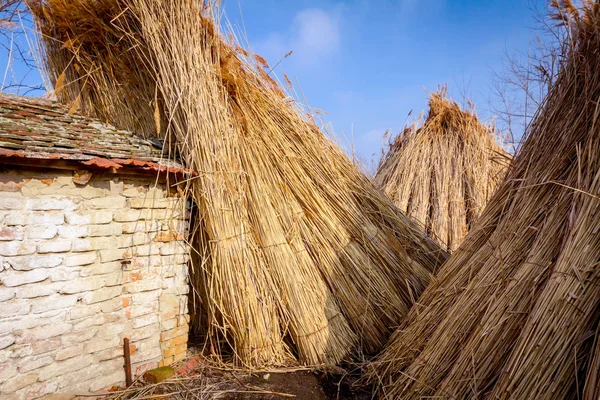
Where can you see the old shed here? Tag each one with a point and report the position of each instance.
(92, 251)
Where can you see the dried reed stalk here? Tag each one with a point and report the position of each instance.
(443, 173)
(509, 313)
(299, 255)
(592, 380)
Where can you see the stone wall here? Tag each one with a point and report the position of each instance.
(81, 268)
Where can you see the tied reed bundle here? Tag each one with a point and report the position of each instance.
(511, 314)
(443, 173)
(299, 255)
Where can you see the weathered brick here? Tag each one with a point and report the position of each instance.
(88, 284)
(154, 203)
(111, 305)
(63, 274)
(166, 237)
(101, 343)
(133, 192)
(146, 262)
(112, 330)
(101, 295)
(111, 229)
(16, 248)
(145, 250)
(173, 248)
(39, 390)
(85, 323)
(169, 324)
(176, 286)
(80, 259)
(63, 367)
(104, 243)
(170, 334)
(35, 218)
(104, 381)
(108, 202)
(14, 307)
(116, 186)
(144, 333)
(43, 231)
(81, 310)
(111, 255)
(7, 370)
(137, 239)
(81, 245)
(36, 348)
(32, 363)
(73, 231)
(171, 351)
(101, 268)
(127, 215)
(113, 279)
(53, 302)
(145, 298)
(153, 353)
(51, 203)
(76, 382)
(18, 382)
(141, 226)
(143, 309)
(74, 338)
(69, 352)
(88, 218)
(17, 278)
(11, 201)
(38, 290)
(54, 246)
(43, 332)
(6, 341)
(7, 293)
(114, 353)
(35, 261)
(11, 233)
(143, 285)
(145, 320)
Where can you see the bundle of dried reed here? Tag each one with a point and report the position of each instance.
(509, 314)
(300, 254)
(443, 173)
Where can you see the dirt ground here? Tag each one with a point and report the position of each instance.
(199, 378)
(306, 385)
(207, 383)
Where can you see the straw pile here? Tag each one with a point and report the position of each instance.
(512, 313)
(301, 257)
(443, 173)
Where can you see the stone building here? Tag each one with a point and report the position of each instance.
(92, 251)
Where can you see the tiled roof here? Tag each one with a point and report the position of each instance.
(33, 128)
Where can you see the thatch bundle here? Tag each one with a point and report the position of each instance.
(443, 173)
(300, 255)
(512, 313)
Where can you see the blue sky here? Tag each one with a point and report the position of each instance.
(367, 62)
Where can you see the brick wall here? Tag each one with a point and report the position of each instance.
(81, 268)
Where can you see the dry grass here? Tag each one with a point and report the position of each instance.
(204, 383)
(510, 313)
(300, 257)
(443, 173)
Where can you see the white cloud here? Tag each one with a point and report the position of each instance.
(317, 31)
(314, 33)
